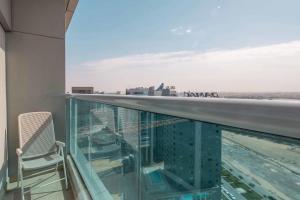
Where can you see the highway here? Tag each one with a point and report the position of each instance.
(269, 177)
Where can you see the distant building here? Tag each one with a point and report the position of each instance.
(151, 91)
(169, 91)
(157, 93)
(137, 91)
(161, 87)
(83, 90)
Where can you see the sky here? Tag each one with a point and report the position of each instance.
(196, 45)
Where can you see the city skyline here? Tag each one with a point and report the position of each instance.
(207, 48)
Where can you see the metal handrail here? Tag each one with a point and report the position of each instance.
(280, 117)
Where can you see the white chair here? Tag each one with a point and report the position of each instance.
(38, 147)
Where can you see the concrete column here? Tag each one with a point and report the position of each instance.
(35, 66)
(5, 14)
(5, 24)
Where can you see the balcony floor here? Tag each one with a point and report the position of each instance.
(53, 191)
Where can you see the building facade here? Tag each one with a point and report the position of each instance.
(191, 153)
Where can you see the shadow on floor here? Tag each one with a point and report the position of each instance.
(55, 191)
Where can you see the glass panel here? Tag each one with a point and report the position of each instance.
(125, 154)
(180, 158)
(259, 166)
(81, 145)
(114, 148)
(106, 150)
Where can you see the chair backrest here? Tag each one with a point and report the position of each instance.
(106, 116)
(36, 134)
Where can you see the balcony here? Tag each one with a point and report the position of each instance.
(129, 147)
(141, 148)
(144, 148)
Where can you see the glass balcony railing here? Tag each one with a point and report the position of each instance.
(134, 154)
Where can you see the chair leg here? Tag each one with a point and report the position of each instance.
(22, 183)
(65, 172)
(56, 168)
(18, 174)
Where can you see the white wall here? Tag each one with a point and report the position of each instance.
(35, 50)
(3, 164)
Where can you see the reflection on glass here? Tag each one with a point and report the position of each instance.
(125, 154)
(184, 161)
(129, 154)
(260, 166)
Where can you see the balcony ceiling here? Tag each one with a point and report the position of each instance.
(70, 8)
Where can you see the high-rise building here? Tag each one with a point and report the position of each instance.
(191, 153)
(175, 154)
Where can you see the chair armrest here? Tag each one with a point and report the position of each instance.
(60, 144)
(19, 152)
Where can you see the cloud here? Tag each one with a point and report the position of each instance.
(215, 11)
(266, 68)
(180, 30)
(140, 60)
(264, 54)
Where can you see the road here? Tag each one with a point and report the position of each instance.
(231, 190)
(267, 175)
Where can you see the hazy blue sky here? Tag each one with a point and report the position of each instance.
(220, 45)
